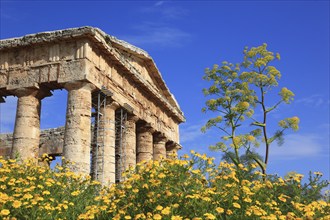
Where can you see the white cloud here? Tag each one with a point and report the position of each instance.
(173, 13)
(160, 31)
(165, 11)
(299, 146)
(313, 101)
(159, 3)
(189, 133)
(158, 35)
(325, 127)
(8, 113)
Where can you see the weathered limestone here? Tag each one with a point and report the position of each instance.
(130, 136)
(159, 146)
(77, 137)
(51, 142)
(144, 145)
(108, 174)
(27, 125)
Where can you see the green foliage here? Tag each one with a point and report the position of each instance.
(29, 191)
(191, 188)
(309, 191)
(236, 92)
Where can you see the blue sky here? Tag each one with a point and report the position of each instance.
(185, 37)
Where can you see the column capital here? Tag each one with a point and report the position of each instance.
(160, 137)
(38, 93)
(112, 104)
(171, 145)
(146, 127)
(132, 118)
(79, 85)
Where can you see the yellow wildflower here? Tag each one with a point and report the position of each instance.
(220, 210)
(140, 216)
(46, 192)
(17, 204)
(159, 207)
(318, 173)
(176, 205)
(75, 193)
(247, 200)
(236, 205)
(196, 171)
(157, 217)
(5, 212)
(166, 211)
(209, 216)
(27, 196)
(168, 193)
(282, 198)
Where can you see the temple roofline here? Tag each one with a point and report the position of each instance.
(104, 40)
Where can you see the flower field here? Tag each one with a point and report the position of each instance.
(192, 187)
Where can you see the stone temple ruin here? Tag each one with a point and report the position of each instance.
(119, 109)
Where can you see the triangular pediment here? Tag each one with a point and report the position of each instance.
(144, 65)
(148, 74)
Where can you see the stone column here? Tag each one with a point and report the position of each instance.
(77, 136)
(144, 145)
(159, 146)
(130, 141)
(109, 128)
(26, 135)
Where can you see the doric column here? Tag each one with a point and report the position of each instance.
(77, 136)
(130, 141)
(27, 124)
(144, 145)
(159, 146)
(109, 128)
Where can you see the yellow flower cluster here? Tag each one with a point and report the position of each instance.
(191, 188)
(28, 191)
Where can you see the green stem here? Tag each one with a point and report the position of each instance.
(264, 128)
(233, 128)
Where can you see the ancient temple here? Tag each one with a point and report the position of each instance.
(119, 109)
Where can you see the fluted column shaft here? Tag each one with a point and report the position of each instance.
(26, 135)
(159, 147)
(109, 128)
(77, 136)
(144, 145)
(130, 137)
